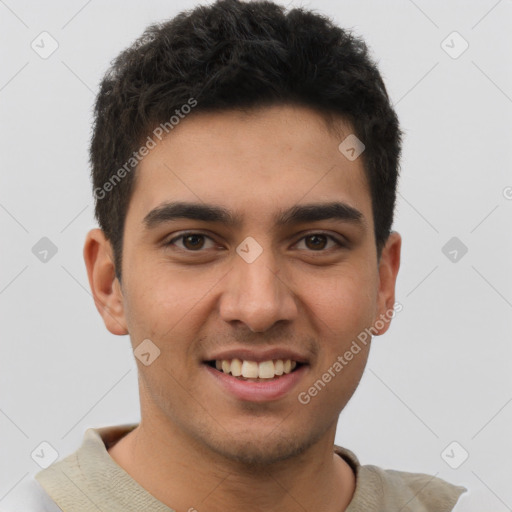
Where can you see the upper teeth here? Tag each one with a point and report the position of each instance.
(252, 369)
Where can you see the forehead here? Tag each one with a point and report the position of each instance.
(255, 163)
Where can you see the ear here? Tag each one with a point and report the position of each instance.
(105, 286)
(388, 270)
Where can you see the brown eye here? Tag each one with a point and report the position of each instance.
(320, 242)
(316, 242)
(193, 242)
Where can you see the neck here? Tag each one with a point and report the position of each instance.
(185, 476)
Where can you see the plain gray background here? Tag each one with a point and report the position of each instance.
(441, 374)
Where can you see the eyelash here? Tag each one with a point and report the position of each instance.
(340, 245)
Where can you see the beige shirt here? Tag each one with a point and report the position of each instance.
(90, 480)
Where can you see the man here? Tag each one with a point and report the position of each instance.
(244, 164)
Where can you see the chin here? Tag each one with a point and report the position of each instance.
(261, 454)
(261, 449)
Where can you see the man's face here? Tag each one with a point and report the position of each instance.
(255, 290)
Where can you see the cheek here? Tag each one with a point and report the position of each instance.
(162, 304)
(344, 301)
(342, 308)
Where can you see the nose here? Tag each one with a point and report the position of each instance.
(257, 294)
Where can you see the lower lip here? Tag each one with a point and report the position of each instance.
(258, 391)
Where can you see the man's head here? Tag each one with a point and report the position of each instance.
(238, 56)
(245, 232)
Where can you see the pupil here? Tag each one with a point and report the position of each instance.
(317, 238)
(193, 245)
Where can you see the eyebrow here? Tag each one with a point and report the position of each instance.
(313, 212)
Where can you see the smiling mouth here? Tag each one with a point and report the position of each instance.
(253, 370)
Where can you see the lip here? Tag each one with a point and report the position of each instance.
(259, 356)
(259, 391)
